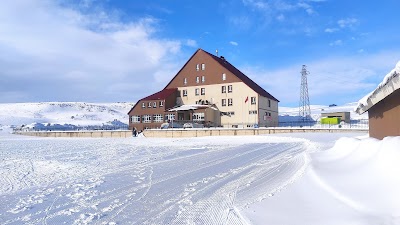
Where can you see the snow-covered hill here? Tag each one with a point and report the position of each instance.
(83, 114)
(74, 113)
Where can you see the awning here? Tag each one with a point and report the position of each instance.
(192, 107)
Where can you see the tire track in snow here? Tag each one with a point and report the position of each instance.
(197, 181)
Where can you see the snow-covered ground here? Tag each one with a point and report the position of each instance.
(276, 179)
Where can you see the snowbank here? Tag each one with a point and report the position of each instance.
(355, 182)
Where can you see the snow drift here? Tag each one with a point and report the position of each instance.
(355, 182)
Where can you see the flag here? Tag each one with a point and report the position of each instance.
(247, 99)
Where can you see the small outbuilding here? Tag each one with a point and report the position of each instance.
(383, 106)
(343, 116)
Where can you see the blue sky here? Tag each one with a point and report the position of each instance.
(118, 50)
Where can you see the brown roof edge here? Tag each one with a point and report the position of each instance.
(249, 82)
(163, 94)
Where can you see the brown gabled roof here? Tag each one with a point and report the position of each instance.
(233, 70)
(242, 76)
(161, 95)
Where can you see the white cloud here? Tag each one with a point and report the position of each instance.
(242, 22)
(191, 43)
(306, 7)
(280, 17)
(54, 53)
(331, 30)
(348, 22)
(343, 79)
(258, 4)
(234, 43)
(336, 43)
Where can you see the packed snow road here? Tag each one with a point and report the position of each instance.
(142, 180)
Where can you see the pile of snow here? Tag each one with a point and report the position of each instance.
(355, 182)
(64, 114)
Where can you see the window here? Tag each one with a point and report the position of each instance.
(223, 102)
(154, 104)
(230, 102)
(203, 79)
(253, 100)
(223, 76)
(149, 105)
(231, 113)
(203, 66)
(269, 103)
(135, 119)
(157, 118)
(229, 88)
(169, 117)
(197, 79)
(146, 118)
(196, 91)
(197, 67)
(223, 89)
(252, 112)
(198, 116)
(185, 81)
(184, 92)
(203, 91)
(143, 105)
(161, 103)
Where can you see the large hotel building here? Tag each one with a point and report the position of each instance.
(208, 90)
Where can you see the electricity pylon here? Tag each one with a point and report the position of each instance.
(304, 104)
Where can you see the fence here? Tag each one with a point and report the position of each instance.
(71, 128)
(362, 124)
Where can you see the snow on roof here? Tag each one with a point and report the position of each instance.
(191, 107)
(390, 83)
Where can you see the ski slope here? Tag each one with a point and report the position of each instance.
(140, 181)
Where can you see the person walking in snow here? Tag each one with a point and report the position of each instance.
(134, 132)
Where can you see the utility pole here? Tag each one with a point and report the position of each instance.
(304, 104)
